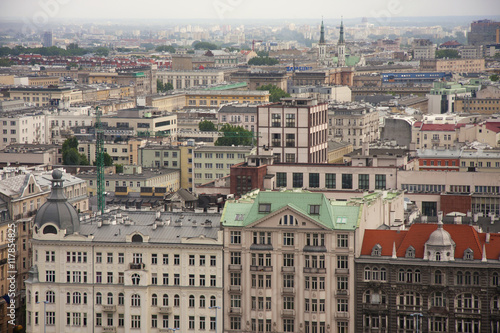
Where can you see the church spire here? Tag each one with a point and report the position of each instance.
(322, 35)
(341, 38)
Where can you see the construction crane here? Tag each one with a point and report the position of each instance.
(99, 157)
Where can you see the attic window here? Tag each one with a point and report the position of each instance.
(468, 254)
(377, 251)
(314, 209)
(136, 239)
(342, 219)
(264, 208)
(50, 229)
(239, 217)
(410, 252)
(288, 220)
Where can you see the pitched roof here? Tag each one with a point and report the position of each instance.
(438, 127)
(493, 126)
(464, 236)
(332, 215)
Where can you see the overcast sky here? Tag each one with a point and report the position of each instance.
(243, 9)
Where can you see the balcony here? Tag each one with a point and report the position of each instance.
(312, 270)
(342, 315)
(288, 269)
(311, 248)
(165, 309)
(235, 310)
(261, 268)
(289, 291)
(234, 289)
(235, 267)
(109, 329)
(140, 265)
(109, 308)
(342, 292)
(341, 270)
(165, 330)
(287, 313)
(374, 307)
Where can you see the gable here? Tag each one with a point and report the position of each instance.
(285, 214)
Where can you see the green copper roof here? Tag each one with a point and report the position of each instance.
(332, 215)
(350, 61)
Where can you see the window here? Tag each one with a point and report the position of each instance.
(346, 181)
(121, 258)
(177, 259)
(314, 180)
(363, 181)
(135, 300)
(288, 239)
(330, 180)
(342, 283)
(343, 241)
(342, 262)
(154, 259)
(290, 120)
(50, 296)
(290, 140)
(290, 158)
(438, 277)
(380, 182)
(98, 298)
(264, 208)
(276, 140)
(276, 120)
(235, 258)
(213, 261)
(342, 305)
(298, 180)
(281, 179)
(288, 325)
(235, 237)
(50, 276)
(288, 259)
(314, 209)
(135, 321)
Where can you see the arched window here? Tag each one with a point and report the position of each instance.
(468, 278)
(475, 278)
(375, 274)
(460, 278)
(409, 300)
(494, 279)
(36, 296)
(136, 238)
(368, 273)
(495, 303)
(177, 300)
(98, 298)
(121, 299)
(110, 298)
(154, 300)
(213, 301)
(288, 220)
(438, 277)
(50, 296)
(84, 298)
(77, 298)
(467, 302)
(468, 254)
(383, 274)
(417, 276)
(401, 275)
(68, 298)
(29, 296)
(191, 301)
(136, 278)
(409, 276)
(50, 229)
(377, 250)
(202, 301)
(135, 300)
(165, 300)
(438, 299)
(438, 256)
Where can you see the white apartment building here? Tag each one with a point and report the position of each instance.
(22, 128)
(188, 79)
(125, 271)
(296, 129)
(238, 115)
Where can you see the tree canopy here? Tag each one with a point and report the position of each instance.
(160, 87)
(72, 50)
(234, 135)
(447, 53)
(71, 156)
(263, 61)
(207, 125)
(494, 77)
(205, 46)
(275, 93)
(165, 48)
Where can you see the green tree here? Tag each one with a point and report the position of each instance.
(70, 153)
(101, 51)
(160, 87)
(275, 93)
(169, 86)
(119, 168)
(5, 63)
(234, 135)
(108, 160)
(206, 125)
(263, 54)
(204, 46)
(263, 61)
(70, 143)
(165, 48)
(494, 77)
(447, 53)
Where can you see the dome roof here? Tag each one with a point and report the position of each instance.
(440, 237)
(57, 209)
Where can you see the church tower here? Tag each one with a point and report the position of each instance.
(341, 46)
(322, 46)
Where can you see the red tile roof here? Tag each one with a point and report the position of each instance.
(438, 127)
(464, 236)
(493, 126)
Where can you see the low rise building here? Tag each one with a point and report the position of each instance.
(239, 115)
(187, 79)
(453, 65)
(206, 98)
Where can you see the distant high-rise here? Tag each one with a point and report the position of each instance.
(47, 39)
(341, 46)
(484, 32)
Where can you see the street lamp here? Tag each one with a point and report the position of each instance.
(44, 315)
(417, 315)
(216, 308)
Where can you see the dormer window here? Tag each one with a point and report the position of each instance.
(410, 252)
(264, 208)
(438, 256)
(468, 254)
(314, 209)
(377, 251)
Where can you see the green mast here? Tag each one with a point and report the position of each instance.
(99, 157)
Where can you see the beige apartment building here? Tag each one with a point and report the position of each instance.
(167, 103)
(188, 79)
(40, 96)
(453, 65)
(217, 98)
(43, 81)
(353, 124)
(22, 128)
